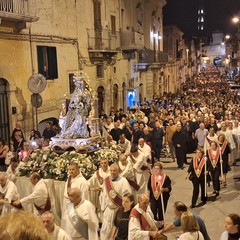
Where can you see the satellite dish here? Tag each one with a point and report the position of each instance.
(37, 83)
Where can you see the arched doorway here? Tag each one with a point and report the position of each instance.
(124, 96)
(100, 94)
(4, 112)
(115, 96)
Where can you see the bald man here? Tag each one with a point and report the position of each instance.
(114, 187)
(54, 231)
(81, 221)
(142, 225)
(8, 193)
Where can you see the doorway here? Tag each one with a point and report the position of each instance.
(4, 112)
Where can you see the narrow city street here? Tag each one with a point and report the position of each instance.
(214, 212)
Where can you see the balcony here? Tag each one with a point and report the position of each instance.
(131, 40)
(153, 57)
(18, 11)
(102, 45)
(103, 40)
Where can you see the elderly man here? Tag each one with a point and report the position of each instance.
(75, 180)
(145, 148)
(114, 187)
(8, 193)
(54, 231)
(81, 221)
(39, 196)
(95, 183)
(142, 225)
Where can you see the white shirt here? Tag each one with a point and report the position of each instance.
(58, 234)
(146, 150)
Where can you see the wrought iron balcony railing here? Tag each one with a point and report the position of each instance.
(18, 10)
(103, 40)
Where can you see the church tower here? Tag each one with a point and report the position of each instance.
(201, 18)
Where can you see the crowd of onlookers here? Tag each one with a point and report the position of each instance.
(172, 125)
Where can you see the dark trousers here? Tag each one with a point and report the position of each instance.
(156, 207)
(215, 179)
(196, 183)
(181, 156)
(157, 148)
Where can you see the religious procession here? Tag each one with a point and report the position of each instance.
(102, 177)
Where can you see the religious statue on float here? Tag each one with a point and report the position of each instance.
(74, 123)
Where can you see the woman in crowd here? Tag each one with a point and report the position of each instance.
(4, 149)
(18, 143)
(190, 227)
(225, 151)
(213, 166)
(196, 173)
(232, 227)
(159, 186)
(120, 227)
(25, 153)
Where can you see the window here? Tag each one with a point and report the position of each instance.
(47, 61)
(71, 83)
(202, 19)
(100, 71)
(113, 24)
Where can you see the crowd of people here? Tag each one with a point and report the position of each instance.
(129, 199)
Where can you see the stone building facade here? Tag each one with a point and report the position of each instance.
(117, 43)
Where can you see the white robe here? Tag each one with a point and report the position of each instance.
(108, 208)
(135, 232)
(94, 195)
(146, 150)
(126, 146)
(78, 182)
(10, 193)
(58, 234)
(85, 211)
(142, 176)
(38, 196)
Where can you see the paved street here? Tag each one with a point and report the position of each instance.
(213, 212)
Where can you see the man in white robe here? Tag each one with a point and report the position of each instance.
(8, 193)
(75, 180)
(142, 225)
(39, 197)
(54, 231)
(124, 144)
(80, 217)
(95, 183)
(114, 188)
(145, 149)
(141, 169)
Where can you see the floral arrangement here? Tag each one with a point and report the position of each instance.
(51, 165)
(110, 153)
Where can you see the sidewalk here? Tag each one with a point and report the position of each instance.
(214, 212)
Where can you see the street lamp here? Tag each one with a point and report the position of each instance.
(227, 36)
